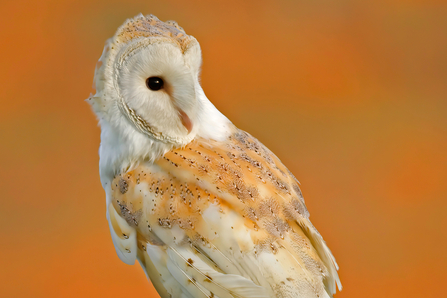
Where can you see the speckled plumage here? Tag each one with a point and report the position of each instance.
(218, 215)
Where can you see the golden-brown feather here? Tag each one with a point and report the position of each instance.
(240, 177)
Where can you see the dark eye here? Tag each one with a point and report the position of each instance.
(154, 83)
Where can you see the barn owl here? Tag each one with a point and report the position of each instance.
(206, 209)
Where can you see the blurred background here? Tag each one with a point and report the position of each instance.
(351, 95)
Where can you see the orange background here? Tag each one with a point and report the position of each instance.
(351, 95)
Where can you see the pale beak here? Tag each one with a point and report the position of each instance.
(185, 121)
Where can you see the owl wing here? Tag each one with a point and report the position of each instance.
(220, 219)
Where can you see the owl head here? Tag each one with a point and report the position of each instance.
(149, 99)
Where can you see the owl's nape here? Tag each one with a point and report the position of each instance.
(206, 208)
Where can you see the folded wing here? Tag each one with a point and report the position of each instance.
(220, 219)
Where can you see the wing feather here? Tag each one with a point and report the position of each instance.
(223, 285)
(123, 236)
(220, 219)
(325, 254)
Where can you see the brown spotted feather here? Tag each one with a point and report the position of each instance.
(241, 178)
